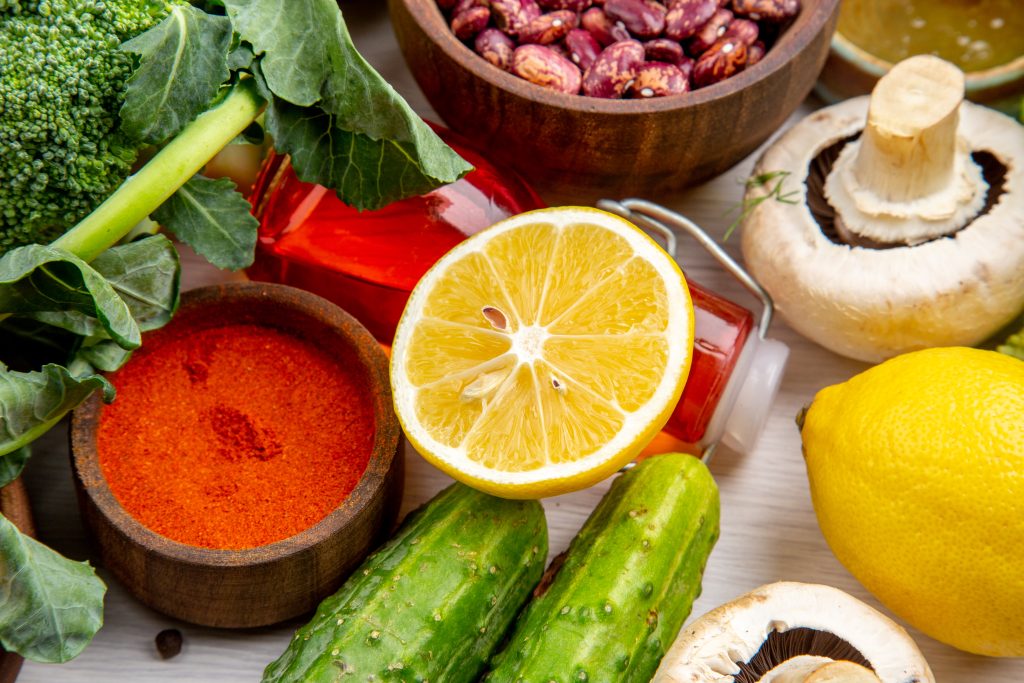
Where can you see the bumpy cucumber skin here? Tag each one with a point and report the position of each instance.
(628, 582)
(433, 604)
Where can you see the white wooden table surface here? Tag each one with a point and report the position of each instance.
(769, 532)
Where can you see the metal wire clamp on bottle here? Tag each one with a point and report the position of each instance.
(750, 366)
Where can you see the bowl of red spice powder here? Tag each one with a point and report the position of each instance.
(250, 460)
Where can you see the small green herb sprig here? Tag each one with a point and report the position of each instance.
(772, 180)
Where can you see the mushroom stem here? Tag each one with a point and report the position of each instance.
(909, 145)
(817, 669)
(842, 672)
(910, 177)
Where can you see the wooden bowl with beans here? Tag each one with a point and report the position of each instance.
(612, 97)
(250, 461)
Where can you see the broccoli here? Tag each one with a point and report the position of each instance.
(85, 86)
(62, 81)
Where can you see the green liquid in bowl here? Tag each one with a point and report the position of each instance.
(973, 34)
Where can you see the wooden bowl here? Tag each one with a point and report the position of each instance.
(851, 71)
(274, 582)
(590, 147)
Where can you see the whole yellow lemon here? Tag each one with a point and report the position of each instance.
(916, 469)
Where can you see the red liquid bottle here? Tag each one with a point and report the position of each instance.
(368, 263)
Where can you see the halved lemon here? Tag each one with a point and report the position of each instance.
(542, 354)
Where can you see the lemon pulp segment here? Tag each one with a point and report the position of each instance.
(543, 345)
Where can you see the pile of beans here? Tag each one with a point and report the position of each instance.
(620, 48)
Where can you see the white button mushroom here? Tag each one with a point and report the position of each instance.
(909, 228)
(794, 633)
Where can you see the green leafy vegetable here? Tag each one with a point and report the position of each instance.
(32, 402)
(1014, 346)
(147, 276)
(322, 91)
(12, 464)
(143, 274)
(61, 82)
(51, 285)
(775, 192)
(367, 173)
(50, 607)
(85, 86)
(183, 62)
(213, 219)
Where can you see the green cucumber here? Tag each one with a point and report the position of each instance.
(431, 605)
(627, 583)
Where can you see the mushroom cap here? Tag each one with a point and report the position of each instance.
(707, 651)
(872, 304)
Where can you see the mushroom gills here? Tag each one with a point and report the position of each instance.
(791, 632)
(792, 655)
(993, 172)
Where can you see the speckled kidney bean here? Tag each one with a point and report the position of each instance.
(543, 66)
(743, 30)
(686, 17)
(461, 6)
(495, 47)
(548, 28)
(642, 18)
(468, 23)
(720, 61)
(686, 66)
(755, 53)
(775, 11)
(664, 50)
(709, 33)
(658, 79)
(512, 15)
(614, 68)
(606, 42)
(583, 48)
(573, 5)
(601, 26)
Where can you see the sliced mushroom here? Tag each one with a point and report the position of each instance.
(908, 228)
(794, 633)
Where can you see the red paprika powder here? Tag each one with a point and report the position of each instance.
(234, 436)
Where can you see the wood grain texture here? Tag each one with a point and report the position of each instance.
(769, 531)
(271, 583)
(589, 146)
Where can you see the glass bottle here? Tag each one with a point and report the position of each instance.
(368, 263)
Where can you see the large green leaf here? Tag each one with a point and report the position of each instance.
(308, 61)
(32, 402)
(183, 61)
(50, 606)
(38, 280)
(365, 173)
(12, 464)
(214, 219)
(145, 274)
(98, 355)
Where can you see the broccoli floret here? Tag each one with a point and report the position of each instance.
(62, 82)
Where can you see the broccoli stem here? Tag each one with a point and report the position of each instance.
(183, 157)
